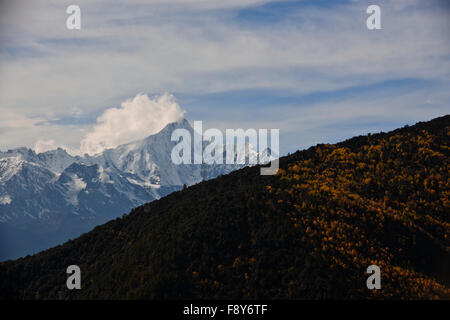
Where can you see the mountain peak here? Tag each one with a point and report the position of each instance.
(367, 216)
(180, 124)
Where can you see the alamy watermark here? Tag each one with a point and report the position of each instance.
(74, 280)
(374, 281)
(233, 150)
(73, 21)
(373, 22)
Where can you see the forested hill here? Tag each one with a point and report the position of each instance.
(310, 231)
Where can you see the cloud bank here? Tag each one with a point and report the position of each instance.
(135, 119)
(51, 90)
(44, 145)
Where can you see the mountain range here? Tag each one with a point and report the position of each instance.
(50, 197)
(309, 232)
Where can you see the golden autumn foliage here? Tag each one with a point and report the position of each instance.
(347, 202)
(309, 232)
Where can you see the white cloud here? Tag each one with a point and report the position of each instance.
(188, 46)
(136, 119)
(44, 145)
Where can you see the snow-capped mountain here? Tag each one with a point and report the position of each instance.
(50, 197)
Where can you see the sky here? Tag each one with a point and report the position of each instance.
(309, 68)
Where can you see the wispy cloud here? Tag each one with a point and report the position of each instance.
(198, 49)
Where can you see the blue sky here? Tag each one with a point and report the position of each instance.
(309, 68)
(277, 12)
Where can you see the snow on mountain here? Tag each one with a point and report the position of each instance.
(53, 196)
(5, 199)
(9, 167)
(75, 186)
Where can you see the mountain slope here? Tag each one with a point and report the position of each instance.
(311, 231)
(51, 197)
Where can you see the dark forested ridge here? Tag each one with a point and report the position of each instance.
(308, 232)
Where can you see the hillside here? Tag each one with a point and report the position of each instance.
(308, 232)
(51, 197)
